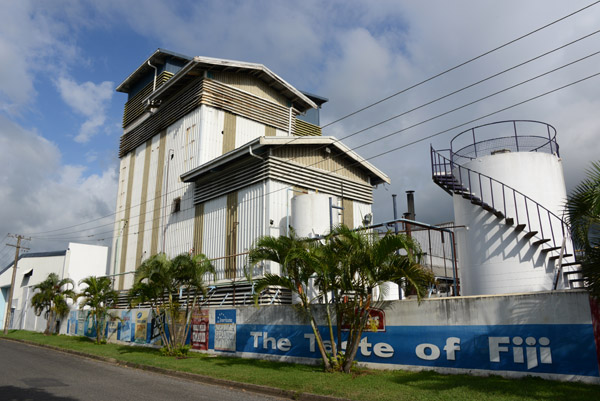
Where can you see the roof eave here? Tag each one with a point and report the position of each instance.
(208, 62)
(123, 86)
(377, 176)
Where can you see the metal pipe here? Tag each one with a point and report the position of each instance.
(330, 214)
(395, 213)
(169, 157)
(155, 74)
(410, 200)
(253, 154)
(425, 225)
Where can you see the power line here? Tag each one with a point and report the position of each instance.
(381, 138)
(476, 101)
(430, 136)
(393, 95)
(468, 86)
(458, 65)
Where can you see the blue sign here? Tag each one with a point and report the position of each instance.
(225, 316)
(557, 349)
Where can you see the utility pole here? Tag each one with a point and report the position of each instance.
(18, 248)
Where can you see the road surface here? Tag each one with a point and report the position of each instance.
(34, 373)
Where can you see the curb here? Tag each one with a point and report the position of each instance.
(255, 388)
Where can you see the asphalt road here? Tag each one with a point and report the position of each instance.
(34, 373)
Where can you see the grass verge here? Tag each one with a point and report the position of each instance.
(362, 385)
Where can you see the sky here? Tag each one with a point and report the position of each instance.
(60, 117)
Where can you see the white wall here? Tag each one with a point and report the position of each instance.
(84, 260)
(79, 261)
(496, 259)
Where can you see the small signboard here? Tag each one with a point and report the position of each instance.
(141, 326)
(200, 329)
(225, 330)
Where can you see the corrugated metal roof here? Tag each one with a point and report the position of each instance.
(36, 255)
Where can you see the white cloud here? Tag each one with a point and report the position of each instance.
(40, 193)
(352, 54)
(32, 40)
(88, 99)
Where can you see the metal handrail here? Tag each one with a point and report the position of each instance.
(443, 165)
(551, 138)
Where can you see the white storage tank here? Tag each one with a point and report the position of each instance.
(310, 214)
(508, 192)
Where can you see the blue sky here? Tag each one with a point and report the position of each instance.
(60, 116)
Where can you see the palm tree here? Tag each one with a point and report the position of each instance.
(51, 299)
(158, 281)
(346, 269)
(99, 296)
(297, 264)
(583, 207)
(366, 261)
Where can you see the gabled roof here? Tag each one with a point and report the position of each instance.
(158, 57)
(199, 64)
(35, 255)
(259, 145)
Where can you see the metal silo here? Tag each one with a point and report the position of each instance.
(508, 190)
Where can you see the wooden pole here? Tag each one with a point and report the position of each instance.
(12, 283)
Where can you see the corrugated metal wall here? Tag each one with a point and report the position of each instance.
(182, 147)
(251, 221)
(119, 215)
(132, 212)
(360, 209)
(247, 130)
(303, 128)
(153, 206)
(318, 157)
(251, 85)
(211, 139)
(213, 241)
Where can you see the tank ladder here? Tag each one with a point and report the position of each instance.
(496, 198)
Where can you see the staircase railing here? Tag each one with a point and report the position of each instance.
(499, 198)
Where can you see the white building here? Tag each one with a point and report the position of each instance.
(77, 262)
(212, 153)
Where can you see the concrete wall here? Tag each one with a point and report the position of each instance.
(39, 268)
(548, 334)
(85, 260)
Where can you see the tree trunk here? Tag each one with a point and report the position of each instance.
(49, 323)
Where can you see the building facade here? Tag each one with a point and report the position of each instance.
(212, 153)
(76, 262)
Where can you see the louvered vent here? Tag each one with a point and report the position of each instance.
(134, 106)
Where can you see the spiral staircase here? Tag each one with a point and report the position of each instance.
(543, 229)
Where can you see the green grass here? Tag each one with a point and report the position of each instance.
(362, 385)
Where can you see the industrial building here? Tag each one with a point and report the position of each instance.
(76, 262)
(212, 153)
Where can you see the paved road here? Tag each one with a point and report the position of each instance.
(33, 373)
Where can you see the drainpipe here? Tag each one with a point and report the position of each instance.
(290, 122)
(155, 74)
(253, 154)
(169, 157)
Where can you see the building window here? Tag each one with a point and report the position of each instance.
(176, 206)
